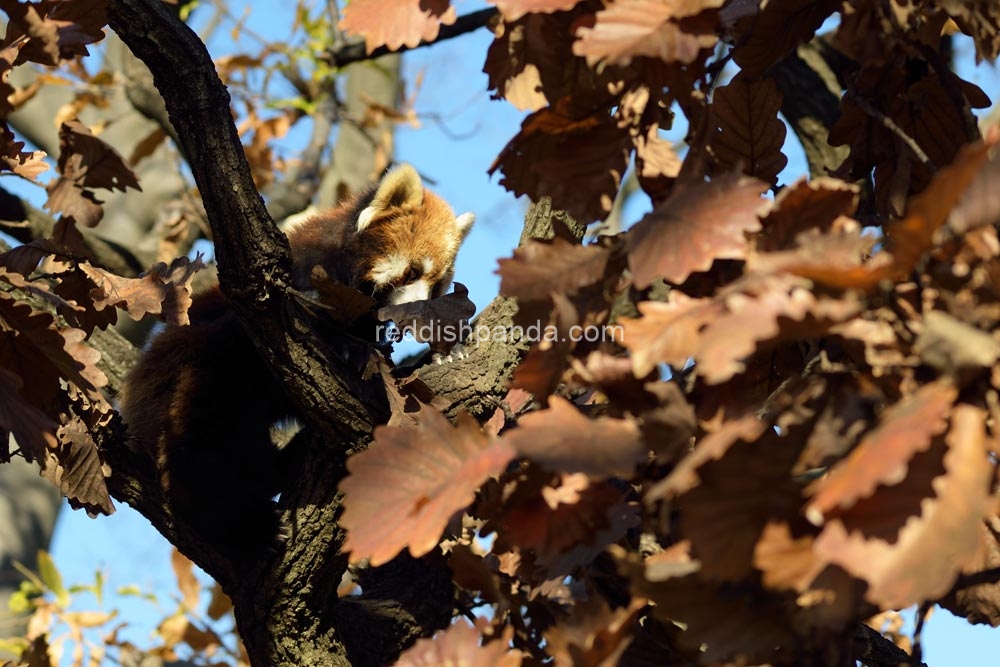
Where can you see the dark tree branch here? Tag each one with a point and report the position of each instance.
(355, 51)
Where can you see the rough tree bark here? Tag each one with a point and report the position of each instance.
(286, 608)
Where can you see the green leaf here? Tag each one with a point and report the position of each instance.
(49, 573)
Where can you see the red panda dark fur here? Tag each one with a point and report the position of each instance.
(202, 402)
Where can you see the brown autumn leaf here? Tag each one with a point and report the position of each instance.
(187, 583)
(563, 440)
(90, 162)
(34, 431)
(396, 23)
(667, 333)
(627, 29)
(803, 206)
(657, 164)
(404, 488)
(763, 38)
(715, 623)
(529, 62)
(539, 268)
(724, 516)
(541, 370)
(77, 469)
(578, 162)
(882, 455)
(748, 134)
(924, 560)
(85, 162)
(927, 212)
(163, 290)
(28, 164)
(461, 644)
(786, 560)
(594, 635)
(711, 447)
(43, 355)
(566, 526)
(57, 30)
(981, 20)
(980, 604)
(697, 225)
(515, 9)
(437, 320)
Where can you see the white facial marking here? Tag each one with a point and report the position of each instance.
(418, 291)
(388, 268)
(428, 265)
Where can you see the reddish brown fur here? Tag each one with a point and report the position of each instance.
(202, 401)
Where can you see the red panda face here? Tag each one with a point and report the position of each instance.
(407, 239)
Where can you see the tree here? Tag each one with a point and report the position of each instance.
(731, 434)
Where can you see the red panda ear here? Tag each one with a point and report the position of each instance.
(400, 187)
(464, 223)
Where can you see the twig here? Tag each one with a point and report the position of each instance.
(355, 52)
(891, 125)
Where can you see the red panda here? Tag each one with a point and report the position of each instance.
(202, 402)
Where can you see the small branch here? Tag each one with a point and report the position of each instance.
(355, 52)
(900, 133)
(988, 576)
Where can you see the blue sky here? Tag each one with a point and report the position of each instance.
(129, 550)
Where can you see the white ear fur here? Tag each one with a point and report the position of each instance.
(464, 223)
(399, 187)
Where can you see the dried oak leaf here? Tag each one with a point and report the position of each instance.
(697, 225)
(711, 447)
(460, 644)
(763, 38)
(90, 162)
(803, 206)
(667, 333)
(541, 370)
(33, 430)
(404, 488)
(515, 9)
(563, 440)
(529, 62)
(85, 161)
(28, 164)
(927, 212)
(56, 30)
(437, 320)
(787, 561)
(594, 634)
(930, 550)
(718, 622)
(656, 164)
(883, 454)
(77, 469)
(163, 290)
(748, 134)
(537, 269)
(578, 162)
(627, 29)
(43, 355)
(737, 495)
(566, 526)
(981, 20)
(395, 23)
(980, 604)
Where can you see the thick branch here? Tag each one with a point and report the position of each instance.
(252, 252)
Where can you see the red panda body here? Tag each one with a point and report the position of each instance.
(202, 402)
